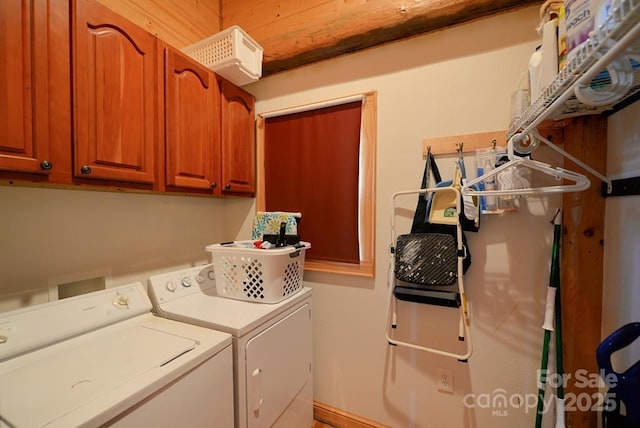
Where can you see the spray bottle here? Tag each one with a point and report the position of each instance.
(489, 184)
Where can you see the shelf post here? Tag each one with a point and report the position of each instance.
(582, 262)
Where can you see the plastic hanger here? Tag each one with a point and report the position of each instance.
(580, 182)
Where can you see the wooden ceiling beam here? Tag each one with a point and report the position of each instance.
(294, 33)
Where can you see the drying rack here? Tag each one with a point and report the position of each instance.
(608, 42)
(464, 332)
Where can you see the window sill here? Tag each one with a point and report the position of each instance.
(364, 269)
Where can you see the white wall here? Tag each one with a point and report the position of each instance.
(621, 293)
(450, 82)
(48, 234)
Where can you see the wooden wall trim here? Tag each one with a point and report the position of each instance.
(339, 418)
(471, 142)
(448, 145)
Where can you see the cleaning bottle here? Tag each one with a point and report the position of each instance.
(483, 203)
(489, 184)
(535, 78)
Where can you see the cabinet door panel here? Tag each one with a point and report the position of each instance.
(116, 78)
(24, 106)
(192, 123)
(238, 139)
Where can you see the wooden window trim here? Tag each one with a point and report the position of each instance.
(367, 198)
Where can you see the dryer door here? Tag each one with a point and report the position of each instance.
(278, 365)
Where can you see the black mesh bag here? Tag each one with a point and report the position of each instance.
(426, 259)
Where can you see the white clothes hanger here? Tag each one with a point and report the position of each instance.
(580, 182)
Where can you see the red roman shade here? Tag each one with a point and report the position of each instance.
(311, 166)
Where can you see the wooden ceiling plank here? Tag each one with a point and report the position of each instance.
(294, 33)
(251, 14)
(177, 22)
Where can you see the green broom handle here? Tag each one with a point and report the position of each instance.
(548, 325)
(557, 234)
(543, 371)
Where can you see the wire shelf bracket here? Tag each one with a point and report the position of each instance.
(622, 187)
(618, 37)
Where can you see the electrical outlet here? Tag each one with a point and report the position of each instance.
(445, 380)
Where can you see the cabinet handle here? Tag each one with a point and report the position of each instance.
(228, 186)
(46, 165)
(258, 400)
(86, 169)
(214, 185)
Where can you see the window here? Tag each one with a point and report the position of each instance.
(319, 159)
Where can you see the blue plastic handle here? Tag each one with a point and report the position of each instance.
(622, 337)
(624, 386)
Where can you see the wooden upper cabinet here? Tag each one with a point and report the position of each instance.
(116, 89)
(192, 123)
(90, 98)
(238, 139)
(24, 143)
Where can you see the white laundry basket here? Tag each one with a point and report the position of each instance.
(231, 53)
(258, 275)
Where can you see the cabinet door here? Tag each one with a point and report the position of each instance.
(192, 123)
(238, 139)
(24, 143)
(116, 74)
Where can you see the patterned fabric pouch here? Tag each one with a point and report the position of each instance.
(268, 223)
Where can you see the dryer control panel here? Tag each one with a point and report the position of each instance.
(174, 285)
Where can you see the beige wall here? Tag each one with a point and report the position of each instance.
(621, 293)
(51, 235)
(451, 82)
(62, 235)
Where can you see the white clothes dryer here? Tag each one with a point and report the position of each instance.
(103, 359)
(271, 343)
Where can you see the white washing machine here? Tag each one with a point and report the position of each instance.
(103, 359)
(271, 343)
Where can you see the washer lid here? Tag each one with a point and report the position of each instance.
(37, 390)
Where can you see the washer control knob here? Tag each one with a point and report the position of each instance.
(200, 279)
(212, 275)
(171, 286)
(186, 281)
(121, 301)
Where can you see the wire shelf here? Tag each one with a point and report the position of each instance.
(558, 101)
